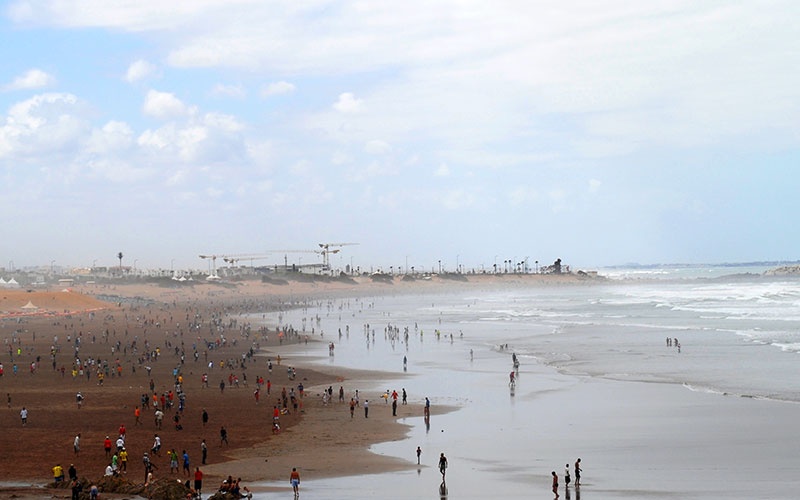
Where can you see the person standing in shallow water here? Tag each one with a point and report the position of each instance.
(578, 471)
(555, 483)
(366, 408)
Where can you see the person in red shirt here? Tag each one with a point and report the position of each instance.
(122, 431)
(137, 413)
(198, 480)
(107, 446)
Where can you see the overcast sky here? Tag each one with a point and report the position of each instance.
(601, 132)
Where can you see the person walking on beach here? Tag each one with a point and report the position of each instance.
(566, 476)
(205, 417)
(394, 407)
(186, 468)
(148, 466)
(294, 479)
(223, 436)
(427, 407)
(366, 408)
(204, 451)
(198, 480)
(555, 483)
(419, 454)
(76, 489)
(76, 444)
(23, 414)
(352, 407)
(442, 465)
(156, 445)
(405, 396)
(578, 471)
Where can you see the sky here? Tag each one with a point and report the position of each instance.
(600, 132)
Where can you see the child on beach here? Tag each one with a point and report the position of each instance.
(294, 479)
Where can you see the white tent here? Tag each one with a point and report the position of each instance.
(2, 281)
(12, 283)
(182, 278)
(30, 307)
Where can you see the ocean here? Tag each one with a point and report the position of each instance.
(597, 380)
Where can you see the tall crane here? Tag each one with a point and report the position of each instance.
(232, 259)
(327, 250)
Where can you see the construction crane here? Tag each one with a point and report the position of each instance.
(233, 259)
(327, 250)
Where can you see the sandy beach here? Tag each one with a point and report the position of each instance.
(133, 314)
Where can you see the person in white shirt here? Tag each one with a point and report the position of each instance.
(109, 470)
(120, 444)
(24, 416)
(76, 445)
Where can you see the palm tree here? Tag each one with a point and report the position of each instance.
(119, 256)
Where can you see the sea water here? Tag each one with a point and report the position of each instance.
(597, 380)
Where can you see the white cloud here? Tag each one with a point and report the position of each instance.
(114, 137)
(277, 88)
(139, 70)
(163, 105)
(31, 79)
(442, 171)
(348, 103)
(42, 126)
(233, 91)
(377, 147)
(594, 185)
(228, 123)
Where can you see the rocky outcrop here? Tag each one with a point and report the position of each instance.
(783, 271)
(161, 489)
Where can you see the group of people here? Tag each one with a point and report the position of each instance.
(567, 478)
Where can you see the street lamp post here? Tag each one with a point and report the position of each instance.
(52, 267)
(440, 266)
